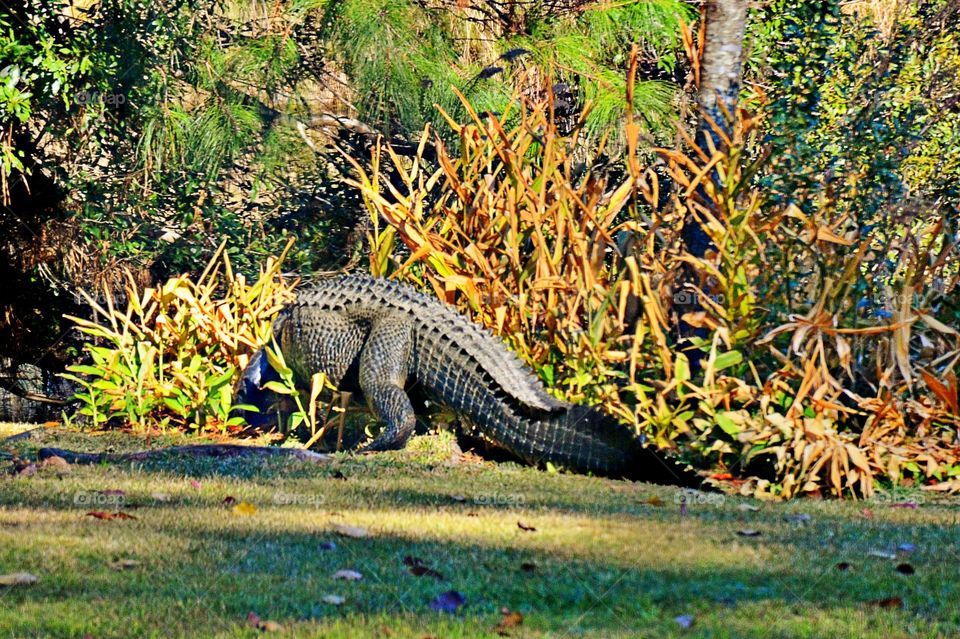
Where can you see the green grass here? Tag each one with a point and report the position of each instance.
(608, 563)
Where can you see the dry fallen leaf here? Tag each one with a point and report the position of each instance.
(263, 625)
(526, 527)
(58, 464)
(351, 531)
(17, 579)
(509, 620)
(101, 514)
(348, 575)
(24, 470)
(419, 569)
(653, 501)
(889, 602)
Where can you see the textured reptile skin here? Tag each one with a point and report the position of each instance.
(384, 337)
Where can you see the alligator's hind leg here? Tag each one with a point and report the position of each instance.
(384, 363)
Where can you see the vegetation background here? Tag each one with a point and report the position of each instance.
(769, 289)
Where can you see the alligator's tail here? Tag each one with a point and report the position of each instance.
(584, 439)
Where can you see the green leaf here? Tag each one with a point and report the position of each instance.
(221, 379)
(250, 408)
(296, 419)
(726, 360)
(681, 368)
(279, 387)
(175, 405)
(726, 424)
(85, 369)
(275, 358)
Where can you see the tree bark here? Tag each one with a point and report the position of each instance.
(721, 65)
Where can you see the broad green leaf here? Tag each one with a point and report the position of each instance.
(726, 424)
(726, 360)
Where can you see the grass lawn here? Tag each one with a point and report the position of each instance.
(607, 558)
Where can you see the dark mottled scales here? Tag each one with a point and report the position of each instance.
(383, 336)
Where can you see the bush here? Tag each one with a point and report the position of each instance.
(174, 355)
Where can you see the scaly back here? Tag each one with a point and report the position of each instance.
(442, 321)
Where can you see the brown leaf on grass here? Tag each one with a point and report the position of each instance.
(355, 532)
(18, 579)
(124, 564)
(419, 569)
(104, 515)
(263, 625)
(889, 602)
(55, 463)
(24, 469)
(509, 620)
(229, 500)
(525, 527)
(424, 571)
(653, 501)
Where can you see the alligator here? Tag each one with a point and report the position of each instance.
(384, 339)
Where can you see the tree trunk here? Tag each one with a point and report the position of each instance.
(721, 65)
